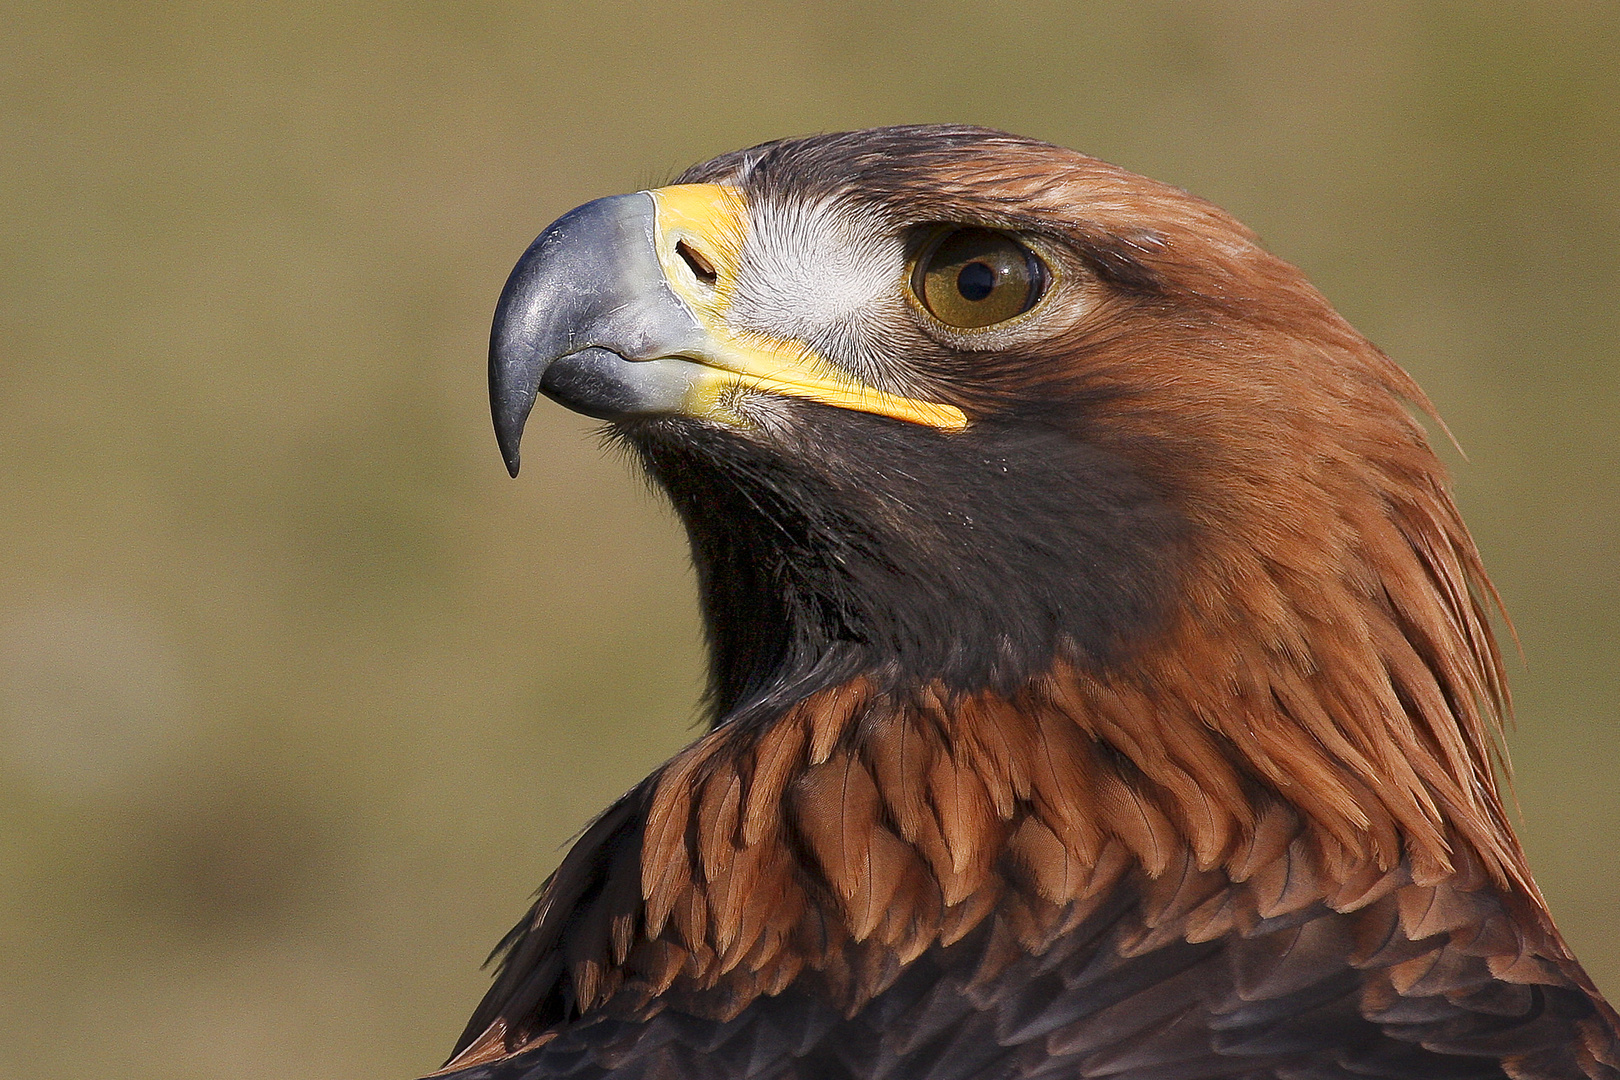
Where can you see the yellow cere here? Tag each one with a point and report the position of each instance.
(710, 222)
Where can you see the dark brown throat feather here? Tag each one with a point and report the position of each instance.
(1232, 780)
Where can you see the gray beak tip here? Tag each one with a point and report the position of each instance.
(510, 411)
(590, 284)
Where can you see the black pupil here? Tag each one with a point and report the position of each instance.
(976, 281)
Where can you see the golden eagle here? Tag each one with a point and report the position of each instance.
(1102, 677)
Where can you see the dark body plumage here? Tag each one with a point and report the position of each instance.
(1139, 729)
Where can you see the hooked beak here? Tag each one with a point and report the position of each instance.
(619, 309)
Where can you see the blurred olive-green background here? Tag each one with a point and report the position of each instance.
(299, 694)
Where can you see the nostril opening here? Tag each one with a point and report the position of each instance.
(701, 268)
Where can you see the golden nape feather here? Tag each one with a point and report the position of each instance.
(1102, 678)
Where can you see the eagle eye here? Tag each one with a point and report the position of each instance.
(973, 278)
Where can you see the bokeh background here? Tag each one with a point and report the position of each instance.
(300, 695)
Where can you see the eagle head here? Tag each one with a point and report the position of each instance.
(949, 407)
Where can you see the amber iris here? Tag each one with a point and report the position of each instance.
(974, 278)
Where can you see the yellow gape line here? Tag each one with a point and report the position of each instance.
(699, 237)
